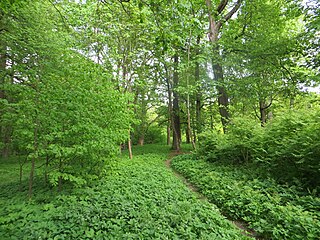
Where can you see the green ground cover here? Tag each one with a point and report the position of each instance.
(274, 211)
(136, 199)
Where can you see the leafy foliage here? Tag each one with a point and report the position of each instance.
(273, 211)
(287, 148)
(137, 198)
(65, 107)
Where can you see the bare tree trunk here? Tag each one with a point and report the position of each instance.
(176, 109)
(5, 130)
(263, 111)
(223, 100)
(198, 93)
(190, 137)
(3, 61)
(142, 129)
(216, 19)
(169, 132)
(211, 116)
(130, 146)
(33, 161)
(263, 114)
(127, 87)
(170, 114)
(188, 141)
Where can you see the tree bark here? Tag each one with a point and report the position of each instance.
(188, 141)
(34, 157)
(223, 100)
(216, 19)
(169, 131)
(4, 129)
(143, 118)
(170, 114)
(198, 94)
(130, 146)
(263, 112)
(176, 109)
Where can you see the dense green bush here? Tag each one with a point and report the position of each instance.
(288, 147)
(273, 211)
(292, 147)
(153, 135)
(237, 145)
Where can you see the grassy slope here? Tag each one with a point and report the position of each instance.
(136, 199)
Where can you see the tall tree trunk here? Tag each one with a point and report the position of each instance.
(176, 109)
(130, 146)
(170, 114)
(127, 88)
(216, 19)
(2, 68)
(35, 153)
(189, 135)
(188, 141)
(263, 106)
(5, 131)
(211, 116)
(223, 101)
(169, 131)
(198, 100)
(142, 128)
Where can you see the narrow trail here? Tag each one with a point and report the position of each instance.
(239, 224)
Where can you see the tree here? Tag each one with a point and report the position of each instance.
(63, 102)
(217, 17)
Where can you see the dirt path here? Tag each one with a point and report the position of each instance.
(239, 224)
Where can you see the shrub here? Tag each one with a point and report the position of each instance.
(238, 145)
(288, 147)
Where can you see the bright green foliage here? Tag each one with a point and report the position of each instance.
(235, 146)
(153, 135)
(136, 199)
(273, 211)
(287, 148)
(291, 147)
(62, 107)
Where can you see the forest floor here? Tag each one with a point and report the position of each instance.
(241, 225)
(135, 199)
(157, 195)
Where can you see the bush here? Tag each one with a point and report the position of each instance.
(154, 135)
(291, 146)
(238, 145)
(288, 147)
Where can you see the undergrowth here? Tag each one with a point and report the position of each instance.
(274, 211)
(136, 199)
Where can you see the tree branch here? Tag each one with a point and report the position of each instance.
(64, 20)
(222, 6)
(233, 10)
(124, 9)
